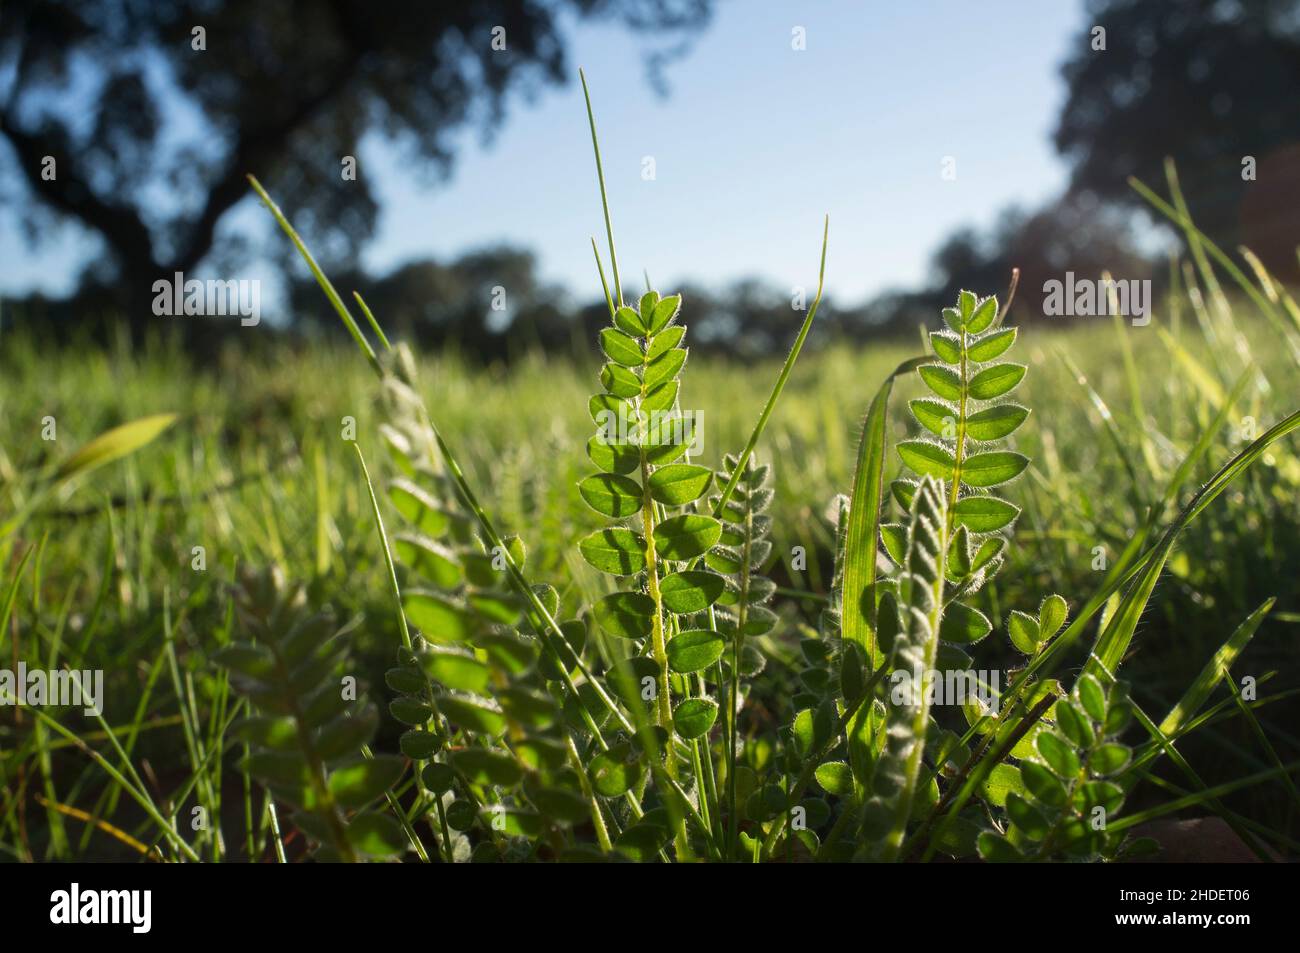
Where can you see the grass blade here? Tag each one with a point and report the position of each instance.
(1216, 669)
(781, 378)
(342, 309)
(857, 609)
(1114, 640)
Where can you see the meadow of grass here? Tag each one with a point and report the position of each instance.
(260, 470)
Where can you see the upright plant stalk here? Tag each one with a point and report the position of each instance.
(741, 610)
(641, 430)
(552, 633)
(948, 541)
(675, 545)
(921, 603)
(665, 705)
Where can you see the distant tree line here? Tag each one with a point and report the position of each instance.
(492, 303)
(1210, 83)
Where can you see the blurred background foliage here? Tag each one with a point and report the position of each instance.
(1207, 82)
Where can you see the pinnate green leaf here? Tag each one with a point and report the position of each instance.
(947, 347)
(661, 397)
(419, 745)
(982, 316)
(992, 346)
(664, 313)
(357, 784)
(456, 669)
(1023, 631)
(616, 771)
(936, 417)
(993, 468)
(694, 717)
(989, 550)
(1045, 786)
(903, 492)
(484, 766)
(430, 559)
(679, 483)
(620, 381)
(963, 624)
(695, 649)
(959, 553)
(607, 410)
(410, 711)
(664, 367)
(995, 422)
(1027, 817)
(1109, 759)
(996, 849)
(686, 536)
(627, 319)
(437, 617)
(1073, 722)
(984, 514)
(966, 301)
(893, 536)
(611, 494)
(377, 835)
(942, 380)
(1051, 616)
(690, 591)
(996, 380)
(621, 348)
(613, 457)
(927, 459)
(1090, 694)
(666, 340)
(419, 508)
(617, 551)
(1107, 795)
(629, 615)
(835, 777)
(473, 714)
(1058, 754)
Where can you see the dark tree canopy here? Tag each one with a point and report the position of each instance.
(152, 137)
(1207, 82)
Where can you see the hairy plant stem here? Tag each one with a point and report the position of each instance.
(973, 768)
(710, 781)
(597, 815)
(273, 820)
(664, 706)
(912, 769)
(960, 449)
(742, 614)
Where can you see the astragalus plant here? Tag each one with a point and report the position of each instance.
(668, 706)
(305, 735)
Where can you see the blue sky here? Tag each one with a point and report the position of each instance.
(754, 142)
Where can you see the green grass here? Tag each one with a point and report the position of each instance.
(256, 471)
(652, 652)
